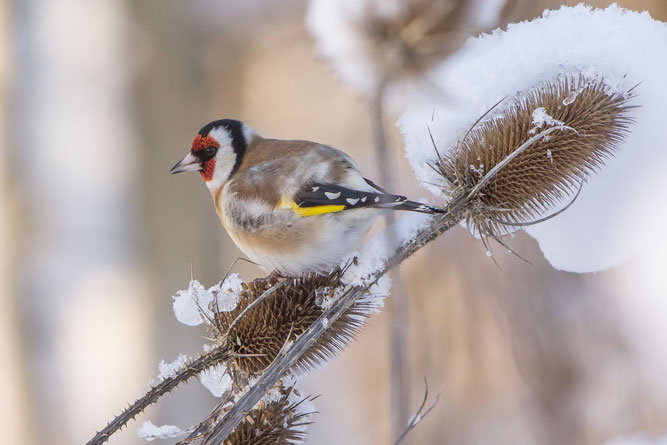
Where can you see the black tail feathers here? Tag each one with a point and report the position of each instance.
(413, 206)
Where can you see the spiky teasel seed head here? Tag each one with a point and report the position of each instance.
(585, 122)
(280, 422)
(257, 337)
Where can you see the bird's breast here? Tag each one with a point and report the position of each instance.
(279, 239)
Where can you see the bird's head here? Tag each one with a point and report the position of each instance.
(217, 151)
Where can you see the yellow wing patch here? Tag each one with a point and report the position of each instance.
(309, 211)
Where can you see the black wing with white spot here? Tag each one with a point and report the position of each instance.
(335, 198)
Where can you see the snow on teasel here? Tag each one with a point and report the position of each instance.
(612, 50)
(195, 305)
(151, 432)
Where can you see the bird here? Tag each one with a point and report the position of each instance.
(293, 207)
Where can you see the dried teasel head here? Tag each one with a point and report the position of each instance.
(416, 34)
(257, 336)
(394, 40)
(539, 150)
(281, 421)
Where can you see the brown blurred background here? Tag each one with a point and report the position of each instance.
(100, 98)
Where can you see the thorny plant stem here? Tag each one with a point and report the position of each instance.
(287, 359)
(212, 358)
(399, 304)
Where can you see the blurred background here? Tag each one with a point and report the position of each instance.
(98, 99)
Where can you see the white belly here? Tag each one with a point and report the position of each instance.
(308, 244)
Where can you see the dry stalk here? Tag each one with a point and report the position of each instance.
(420, 414)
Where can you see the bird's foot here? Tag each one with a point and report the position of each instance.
(269, 280)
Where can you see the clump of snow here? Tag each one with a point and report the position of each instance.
(377, 294)
(151, 432)
(228, 293)
(196, 305)
(374, 254)
(168, 370)
(207, 347)
(620, 47)
(324, 296)
(542, 118)
(216, 379)
(189, 303)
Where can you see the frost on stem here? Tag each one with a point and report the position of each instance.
(151, 432)
(196, 304)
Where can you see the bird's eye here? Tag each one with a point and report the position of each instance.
(210, 151)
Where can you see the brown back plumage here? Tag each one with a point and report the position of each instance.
(270, 166)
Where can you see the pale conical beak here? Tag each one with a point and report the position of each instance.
(189, 163)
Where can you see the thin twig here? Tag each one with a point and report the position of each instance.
(418, 416)
(229, 269)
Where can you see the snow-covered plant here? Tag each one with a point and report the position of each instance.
(252, 324)
(521, 162)
(554, 121)
(621, 49)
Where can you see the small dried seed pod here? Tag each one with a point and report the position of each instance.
(281, 422)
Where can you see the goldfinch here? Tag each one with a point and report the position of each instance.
(292, 207)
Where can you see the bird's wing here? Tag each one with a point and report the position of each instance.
(319, 199)
(312, 179)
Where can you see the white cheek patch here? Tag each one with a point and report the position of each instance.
(224, 159)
